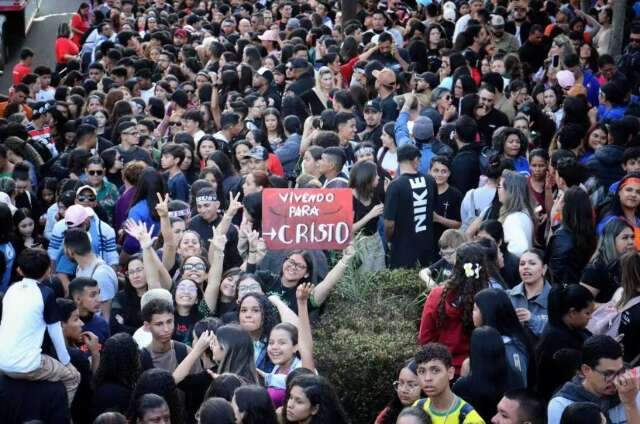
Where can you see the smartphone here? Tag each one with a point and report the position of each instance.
(555, 61)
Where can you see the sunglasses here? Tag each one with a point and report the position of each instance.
(176, 124)
(95, 172)
(634, 40)
(84, 198)
(192, 267)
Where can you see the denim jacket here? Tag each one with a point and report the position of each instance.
(537, 306)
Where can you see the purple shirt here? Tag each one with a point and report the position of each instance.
(122, 208)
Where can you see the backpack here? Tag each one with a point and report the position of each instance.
(147, 362)
(464, 411)
(607, 318)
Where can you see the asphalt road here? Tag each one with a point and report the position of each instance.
(41, 37)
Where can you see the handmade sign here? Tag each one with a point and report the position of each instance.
(313, 218)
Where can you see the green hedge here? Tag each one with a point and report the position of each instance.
(368, 329)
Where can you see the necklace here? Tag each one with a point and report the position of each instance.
(453, 402)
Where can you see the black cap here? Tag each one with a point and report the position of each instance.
(373, 104)
(258, 152)
(298, 63)
(430, 78)
(408, 152)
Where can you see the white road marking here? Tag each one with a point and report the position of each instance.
(42, 18)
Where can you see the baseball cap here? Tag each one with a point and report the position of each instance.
(181, 33)
(90, 120)
(373, 104)
(269, 35)
(86, 187)
(497, 21)
(77, 215)
(423, 129)
(566, 79)
(386, 76)
(430, 78)
(125, 126)
(298, 63)
(266, 74)
(408, 152)
(258, 152)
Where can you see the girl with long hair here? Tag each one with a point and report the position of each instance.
(602, 274)
(559, 347)
(492, 307)
(573, 243)
(272, 127)
(490, 372)
(406, 391)
(252, 405)
(512, 144)
(530, 297)
(125, 306)
(117, 374)
(232, 349)
(628, 305)
(516, 213)
(312, 399)
(367, 208)
(150, 186)
(447, 314)
(319, 97)
(387, 156)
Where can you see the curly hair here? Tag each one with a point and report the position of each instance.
(269, 314)
(320, 393)
(461, 288)
(119, 362)
(159, 382)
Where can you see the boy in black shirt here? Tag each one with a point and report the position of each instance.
(408, 212)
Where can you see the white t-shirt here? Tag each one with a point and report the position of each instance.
(104, 275)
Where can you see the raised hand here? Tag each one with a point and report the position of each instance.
(219, 241)
(91, 340)
(139, 231)
(234, 204)
(163, 205)
(203, 341)
(303, 292)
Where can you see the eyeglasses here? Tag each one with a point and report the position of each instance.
(136, 271)
(189, 91)
(96, 172)
(609, 376)
(192, 267)
(185, 288)
(409, 386)
(446, 97)
(85, 198)
(295, 265)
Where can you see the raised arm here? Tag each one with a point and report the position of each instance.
(216, 258)
(184, 367)
(169, 243)
(234, 207)
(286, 314)
(305, 339)
(156, 274)
(322, 290)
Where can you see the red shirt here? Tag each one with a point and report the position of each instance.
(19, 72)
(452, 333)
(65, 46)
(80, 24)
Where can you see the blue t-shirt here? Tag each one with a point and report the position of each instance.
(179, 187)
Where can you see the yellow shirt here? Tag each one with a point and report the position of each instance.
(453, 415)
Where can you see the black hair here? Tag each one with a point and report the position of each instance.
(119, 362)
(146, 403)
(176, 150)
(78, 241)
(255, 404)
(66, 308)
(466, 129)
(156, 306)
(530, 408)
(600, 347)
(223, 386)
(337, 157)
(159, 382)
(434, 352)
(565, 297)
(32, 263)
(217, 411)
(78, 284)
(151, 183)
(581, 413)
(322, 395)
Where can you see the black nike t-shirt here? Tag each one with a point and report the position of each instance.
(409, 204)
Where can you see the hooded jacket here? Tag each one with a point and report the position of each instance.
(606, 164)
(573, 391)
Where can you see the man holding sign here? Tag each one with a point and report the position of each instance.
(408, 212)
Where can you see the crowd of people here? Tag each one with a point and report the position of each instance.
(493, 144)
